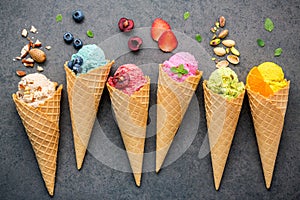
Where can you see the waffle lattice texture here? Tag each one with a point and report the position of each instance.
(173, 99)
(131, 113)
(84, 94)
(222, 117)
(42, 127)
(268, 118)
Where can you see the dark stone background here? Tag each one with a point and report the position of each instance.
(189, 177)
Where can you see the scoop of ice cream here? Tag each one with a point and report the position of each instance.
(225, 82)
(35, 88)
(180, 66)
(92, 57)
(128, 78)
(272, 75)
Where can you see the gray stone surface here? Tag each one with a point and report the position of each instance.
(189, 177)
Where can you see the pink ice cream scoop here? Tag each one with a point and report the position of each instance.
(128, 78)
(180, 66)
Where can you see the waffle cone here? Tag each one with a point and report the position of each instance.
(42, 127)
(131, 113)
(84, 94)
(222, 117)
(268, 118)
(173, 99)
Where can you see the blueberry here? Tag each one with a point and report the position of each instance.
(71, 64)
(68, 37)
(78, 60)
(78, 16)
(77, 43)
(77, 68)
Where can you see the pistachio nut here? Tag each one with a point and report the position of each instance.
(233, 59)
(215, 42)
(219, 51)
(228, 43)
(234, 51)
(223, 33)
(222, 63)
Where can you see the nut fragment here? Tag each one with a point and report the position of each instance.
(37, 44)
(28, 64)
(39, 69)
(25, 50)
(215, 42)
(223, 33)
(48, 47)
(20, 73)
(28, 60)
(222, 21)
(33, 29)
(234, 51)
(219, 51)
(227, 50)
(24, 33)
(37, 55)
(222, 63)
(228, 43)
(233, 59)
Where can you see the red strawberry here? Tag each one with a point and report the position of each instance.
(167, 42)
(158, 27)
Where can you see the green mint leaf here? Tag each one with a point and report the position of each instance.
(90, 34)
(186, 15)
(278, 52)
(198, 37)
(269, 26)
(260, 42)
(58, 18)
(174, 70)
(179, 75)
(184, 72)
(180, 67)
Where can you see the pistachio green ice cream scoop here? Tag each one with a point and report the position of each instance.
(225, 82)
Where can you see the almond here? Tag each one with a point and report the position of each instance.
(20, 73)
(37, 55)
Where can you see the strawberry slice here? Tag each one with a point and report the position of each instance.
(167, 42)
(158, 27)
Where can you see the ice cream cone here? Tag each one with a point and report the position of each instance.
(222, 117)
(42, 127)
(131, 113)
(173, 99)
(84, 94)
(268, 118)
